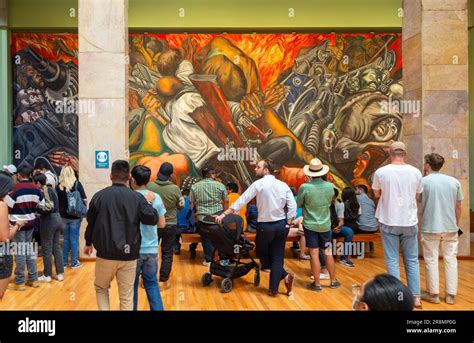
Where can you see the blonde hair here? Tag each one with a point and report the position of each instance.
(67, 178)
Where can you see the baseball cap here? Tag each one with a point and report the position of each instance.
(10, 168)
(398, 146)
(165, 171)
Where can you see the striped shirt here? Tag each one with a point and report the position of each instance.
(207, 195)
(23, 202)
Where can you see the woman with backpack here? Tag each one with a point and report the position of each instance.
(69, 186)
(50, 229)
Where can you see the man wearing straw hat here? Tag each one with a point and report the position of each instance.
(315, 198)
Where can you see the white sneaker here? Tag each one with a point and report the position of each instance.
(43, 278)
(60, 277)
(205, 263)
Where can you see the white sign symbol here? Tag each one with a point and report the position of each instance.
(102, 156)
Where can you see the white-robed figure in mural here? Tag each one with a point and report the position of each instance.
(182, 134)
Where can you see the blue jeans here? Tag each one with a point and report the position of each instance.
(347, 233)
(72, 227)
(51, 227)
(407, 237)
(147, 265)
(270, 249)
(26, 254)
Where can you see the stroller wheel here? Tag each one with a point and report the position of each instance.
(226, 285)
(256, 278)
(206, 279)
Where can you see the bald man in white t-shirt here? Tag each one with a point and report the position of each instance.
(397, 185)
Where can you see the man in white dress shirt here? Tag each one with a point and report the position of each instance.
(273, 198)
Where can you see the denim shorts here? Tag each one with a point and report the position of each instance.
(315, 240)
(6, 266)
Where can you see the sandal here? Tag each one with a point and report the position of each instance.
(305, 257)
(420, 305)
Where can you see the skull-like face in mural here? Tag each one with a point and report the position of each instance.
(362, 122)
(30, 102)
(369, 80)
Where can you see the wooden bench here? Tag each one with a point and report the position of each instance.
(370, 238)
(195, 238)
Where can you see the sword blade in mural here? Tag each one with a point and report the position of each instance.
(227, 100)
(45, 92)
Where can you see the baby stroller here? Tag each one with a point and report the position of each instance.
(232, 247)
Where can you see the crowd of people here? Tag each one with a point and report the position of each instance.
(129, 220)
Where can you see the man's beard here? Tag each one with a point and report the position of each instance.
(259, 176)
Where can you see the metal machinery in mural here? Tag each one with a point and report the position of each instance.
(225, 100)
(45, 90)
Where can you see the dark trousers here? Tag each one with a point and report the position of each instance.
(167, 236)
(51, 227)
(270, 248)
(180, 230)
(207, 246)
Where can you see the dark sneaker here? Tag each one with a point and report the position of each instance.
(193, 253)
(272, 293)
(177, 251)
(34, 284)
(335, 284)
(347, 263)
(77, 265)
(313, 287)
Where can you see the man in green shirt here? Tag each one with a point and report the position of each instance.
(209, 197)
(173, 201)
(315, 197)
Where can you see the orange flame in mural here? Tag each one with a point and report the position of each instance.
(273, 53)
(45, 44)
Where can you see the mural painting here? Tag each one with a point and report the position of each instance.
(45, 92)
(226, 100)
